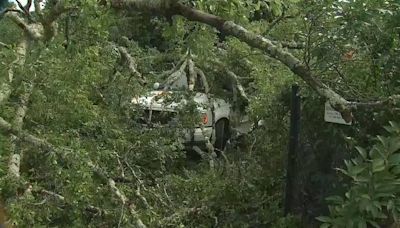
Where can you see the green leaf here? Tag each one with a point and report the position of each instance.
(343, 171)
(355, 170)
(325, 225)
(394, 145)
(324, 219)
(394, 159)
(362, 223)
(378, 165)
(335, 199)
(374, 224)
(362, 152)
(396, 170)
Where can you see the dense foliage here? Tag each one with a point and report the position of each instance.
(80, 104)
(373, 195)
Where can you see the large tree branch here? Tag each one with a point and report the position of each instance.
(15, 158)
(289, 44)
(168, 7)
(7, 128)
(34, 30)
(47, 28)
(49, 20)
(55, 12)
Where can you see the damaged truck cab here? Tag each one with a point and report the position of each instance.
(214, 125)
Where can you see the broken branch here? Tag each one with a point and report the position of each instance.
(203, 79)
(131, 63)
(53, 194)
(192, 75)
(235, 80)
(174, 76)
(176, 67)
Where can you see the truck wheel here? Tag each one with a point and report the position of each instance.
(222, 134)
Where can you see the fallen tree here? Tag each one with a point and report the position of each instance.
(273, 49)
(33, 31)
(47, 147)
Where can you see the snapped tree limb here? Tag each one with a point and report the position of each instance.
(192, 74)
(174, 76)
(127, 59)
(203, 79)
(235, 81)
(176, 67)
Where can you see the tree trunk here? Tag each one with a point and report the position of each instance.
(15, 159)
(5, 87)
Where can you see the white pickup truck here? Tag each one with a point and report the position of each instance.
(215, 121)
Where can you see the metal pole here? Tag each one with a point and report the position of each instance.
(293, 146)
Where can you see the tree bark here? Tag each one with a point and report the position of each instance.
(203, 79)
(126, 58)
(5, 87)
(192, 74)
(235, 81)
(7, 128)
(15, 159)
(44, 30)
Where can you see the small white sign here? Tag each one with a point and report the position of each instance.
(333, 116)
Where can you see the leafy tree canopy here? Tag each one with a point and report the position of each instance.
(74, 155)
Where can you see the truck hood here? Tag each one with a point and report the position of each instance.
(167, 101)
